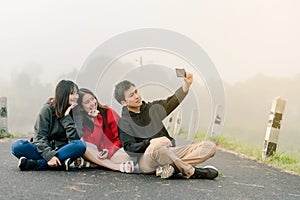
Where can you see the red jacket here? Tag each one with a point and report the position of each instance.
(107, 138)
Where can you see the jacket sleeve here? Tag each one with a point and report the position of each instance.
(41, 128)
(78, 123)
(171, 102)
(69, 125)
(112, 123)
(129, 142)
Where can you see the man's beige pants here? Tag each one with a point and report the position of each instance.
(184, 158)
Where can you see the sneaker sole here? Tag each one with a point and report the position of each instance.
(210, 166)
(20, 162)
(67, 164)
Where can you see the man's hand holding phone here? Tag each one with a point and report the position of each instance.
(188, 78)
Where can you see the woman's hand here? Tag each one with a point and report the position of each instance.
(70, 108)
(93, 113)
(54, 162)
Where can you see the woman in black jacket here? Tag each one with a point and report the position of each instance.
(55, 143)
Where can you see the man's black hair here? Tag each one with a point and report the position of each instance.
(120, 88)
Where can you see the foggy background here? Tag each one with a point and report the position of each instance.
(254, 45)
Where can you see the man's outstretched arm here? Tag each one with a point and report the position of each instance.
(173, 101)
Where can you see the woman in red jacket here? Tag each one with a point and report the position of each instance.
(100, 132)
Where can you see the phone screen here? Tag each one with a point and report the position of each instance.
(180, 73)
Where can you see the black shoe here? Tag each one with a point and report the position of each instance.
(207, 172)
(27, 164)
(66, 165)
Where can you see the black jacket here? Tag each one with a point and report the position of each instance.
(137, 129)
(51, 133)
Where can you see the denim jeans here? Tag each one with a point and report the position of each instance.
(24, 148)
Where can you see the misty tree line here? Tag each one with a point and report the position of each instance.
(249, 104)
(26, 94)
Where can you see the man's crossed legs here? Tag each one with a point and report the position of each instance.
(183, 159)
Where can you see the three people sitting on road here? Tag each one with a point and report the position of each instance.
(91, 134)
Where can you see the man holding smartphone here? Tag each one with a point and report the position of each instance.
(144, 136)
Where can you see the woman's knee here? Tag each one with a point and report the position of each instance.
(80, 145)
(18, 146)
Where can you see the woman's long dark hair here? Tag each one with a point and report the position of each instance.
(61, 100)
(102, 109)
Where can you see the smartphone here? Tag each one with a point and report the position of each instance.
(180, 73)
(104, 151)
(103, 154)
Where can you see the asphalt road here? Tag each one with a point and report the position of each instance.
(241, 178)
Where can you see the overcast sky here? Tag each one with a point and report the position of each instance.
(243, 37)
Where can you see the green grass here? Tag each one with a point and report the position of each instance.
(16, 135)
(6, 135)
(282, 160)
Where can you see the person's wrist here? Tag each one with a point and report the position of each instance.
(185, 87)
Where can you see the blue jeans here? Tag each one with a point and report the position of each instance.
(24, 148)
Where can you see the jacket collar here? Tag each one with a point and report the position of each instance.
(127, 113)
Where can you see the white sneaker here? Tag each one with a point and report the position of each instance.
(165, 171)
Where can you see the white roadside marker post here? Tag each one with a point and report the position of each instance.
(3, 117)
(216, 128)
(273, 127)
(193, 125)
(178, 122)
